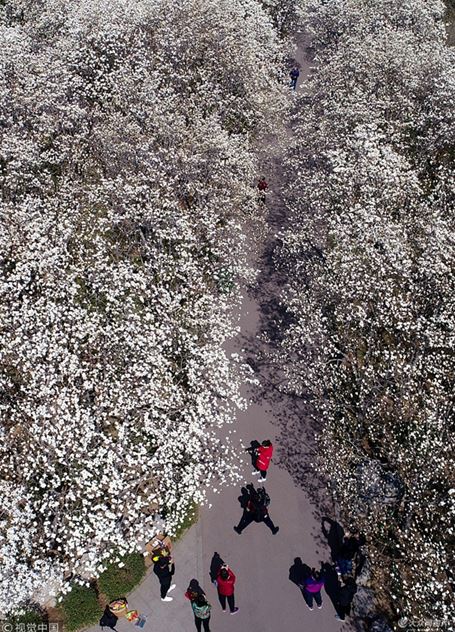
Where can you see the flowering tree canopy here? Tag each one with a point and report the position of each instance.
(126, 168)
(371, 289)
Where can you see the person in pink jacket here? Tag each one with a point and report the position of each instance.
(311, 589)
(263, 457)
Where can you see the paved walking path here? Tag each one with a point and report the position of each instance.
(268, 601)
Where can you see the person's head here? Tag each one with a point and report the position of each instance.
(266, 443)
(315, 574)
(224, 573)
(298, 561)
(262, 177)
(201, 600)
(194, 585)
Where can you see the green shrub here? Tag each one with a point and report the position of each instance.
(34, 616)
(117, 582)
(80, 608)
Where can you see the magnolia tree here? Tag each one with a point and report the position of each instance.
(370, 261)
(126, 171)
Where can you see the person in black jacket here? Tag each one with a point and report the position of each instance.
(109, 619)
(215, 566)
(164, 569)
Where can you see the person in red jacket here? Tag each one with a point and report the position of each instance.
(263, 457)
(262, 186)
(225, 582)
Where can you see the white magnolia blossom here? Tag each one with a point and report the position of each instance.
(370, 260)
(127, 173)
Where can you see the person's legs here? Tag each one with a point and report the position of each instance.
(165, 584)
(263, 474)
(340, 612)
(231, 602)
(308, 598)
(222, 599)
(245, 520)
(206, 623)
(269, 523)
(198, 623)
(318, 599)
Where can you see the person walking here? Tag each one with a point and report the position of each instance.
(225, 583)
(164, 569)
(255, 509)
(262, 188)
(311, 589)
(201, 610)
(294, 74)
(264, 455)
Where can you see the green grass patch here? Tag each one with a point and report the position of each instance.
(117, 582)
(34, 617)
(80, 608)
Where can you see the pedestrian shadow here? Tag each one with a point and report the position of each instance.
(334, 534)
(332, 583)
(299, 572)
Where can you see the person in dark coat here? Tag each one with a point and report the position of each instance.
(164, 569)
(348, 550)
(344, 599)
(255, 510)
(215, 565)
(252, 450)
(109, 619)
(294, 74)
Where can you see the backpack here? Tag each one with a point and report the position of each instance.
(264, 498)
(201, 612)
